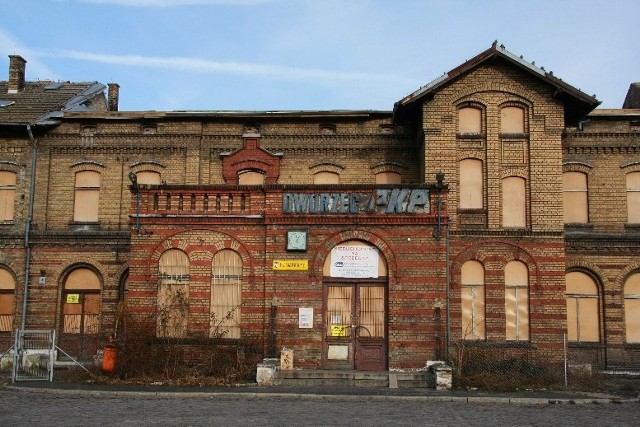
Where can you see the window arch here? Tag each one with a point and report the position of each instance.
(471, 184)
(250, 177)
(81, 302)
(582, 308)
(576, 208)
(514, 210)
(7, 195)
(7, 300)
(469, 120)
(326, 177)
(632, 308)
(87, 196)
(226, 295)
(472, 300)
(512, 119)
(516, 305)
(173, 294)
(633, 197)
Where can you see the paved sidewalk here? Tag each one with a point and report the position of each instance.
(323, 393)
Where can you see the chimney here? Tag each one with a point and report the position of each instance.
(17, 68)
(114, 94)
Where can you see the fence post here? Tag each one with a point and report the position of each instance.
(564, 346)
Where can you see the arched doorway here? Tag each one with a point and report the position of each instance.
(355, 308)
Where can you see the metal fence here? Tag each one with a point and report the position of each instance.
(33, 355)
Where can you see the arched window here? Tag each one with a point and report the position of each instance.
(512, 120)
(632, 308)
(226, 295)
(148, 178)
(471, 183)
(516, 301)
(633, 198)
(576, 209)
(7, 195)
(7, 300)
(173, 295)
(582, 308)
(81, 302)
(249, 177)
(469, 120)
(388, 178)
(326, 178)
(87, 196)
(473, 305)
(514, 211)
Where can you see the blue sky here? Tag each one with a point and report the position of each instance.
(311, 54)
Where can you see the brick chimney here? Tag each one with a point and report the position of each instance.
(114, 94)
(17, 68)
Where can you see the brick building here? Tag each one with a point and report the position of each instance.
(494, 206)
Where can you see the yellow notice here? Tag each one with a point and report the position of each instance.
(290, 264)
(73, 298)
(338, 331)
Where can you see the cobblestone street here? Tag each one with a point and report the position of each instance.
(26, 408)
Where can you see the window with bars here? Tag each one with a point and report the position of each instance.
(173, 294)
(226, 295)
(371, 312)
(472, 301)
(516, 277)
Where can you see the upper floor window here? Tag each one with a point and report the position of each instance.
(148, 178)
(226, 295)
(249, 177)
(516, 301)
(7, 300)
(582, 308)
(388, 178)
(632, 308)
(469, 120)
(512, 120)
(472, 300)
(326, 178)
(173, 302)
(87, 195)
(514, 208)
(576, 209)
(633, 197)
(471, 183)
(7, 195)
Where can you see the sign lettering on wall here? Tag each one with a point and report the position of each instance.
(388, 201)
(291, 265)
(355, 262)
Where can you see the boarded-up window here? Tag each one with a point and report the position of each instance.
(471, 184)
(148, 178)
(87, 192)
(173, 294)
(516, 304)
(326, 178)
(81, 302)
(7, 195)
(250, 178)
(469, 120)
(576, 208)
(632, 308)
(388, 178)
(7, 300)
(633, 198)
(582, 308)
(514, 211)
(512, 120)
(473, 305)
(226, 295)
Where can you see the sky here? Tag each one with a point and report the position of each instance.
(274, 55)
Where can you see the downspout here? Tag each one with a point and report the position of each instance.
(27, 228)
(448, 285)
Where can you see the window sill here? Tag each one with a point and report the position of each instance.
(84, 226)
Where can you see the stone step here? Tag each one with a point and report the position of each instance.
(315, 377)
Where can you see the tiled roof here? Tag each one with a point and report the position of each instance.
(40, 101)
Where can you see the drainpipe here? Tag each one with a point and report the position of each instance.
(27, 228)
(448, 285)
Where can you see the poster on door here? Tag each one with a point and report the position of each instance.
(354, 262)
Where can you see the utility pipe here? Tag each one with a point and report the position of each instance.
(27, 228)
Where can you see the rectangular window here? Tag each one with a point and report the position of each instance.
(87, 195)
(7, 195)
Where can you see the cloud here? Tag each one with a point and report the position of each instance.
(172, 3)
(205, 66)
(10, 46)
